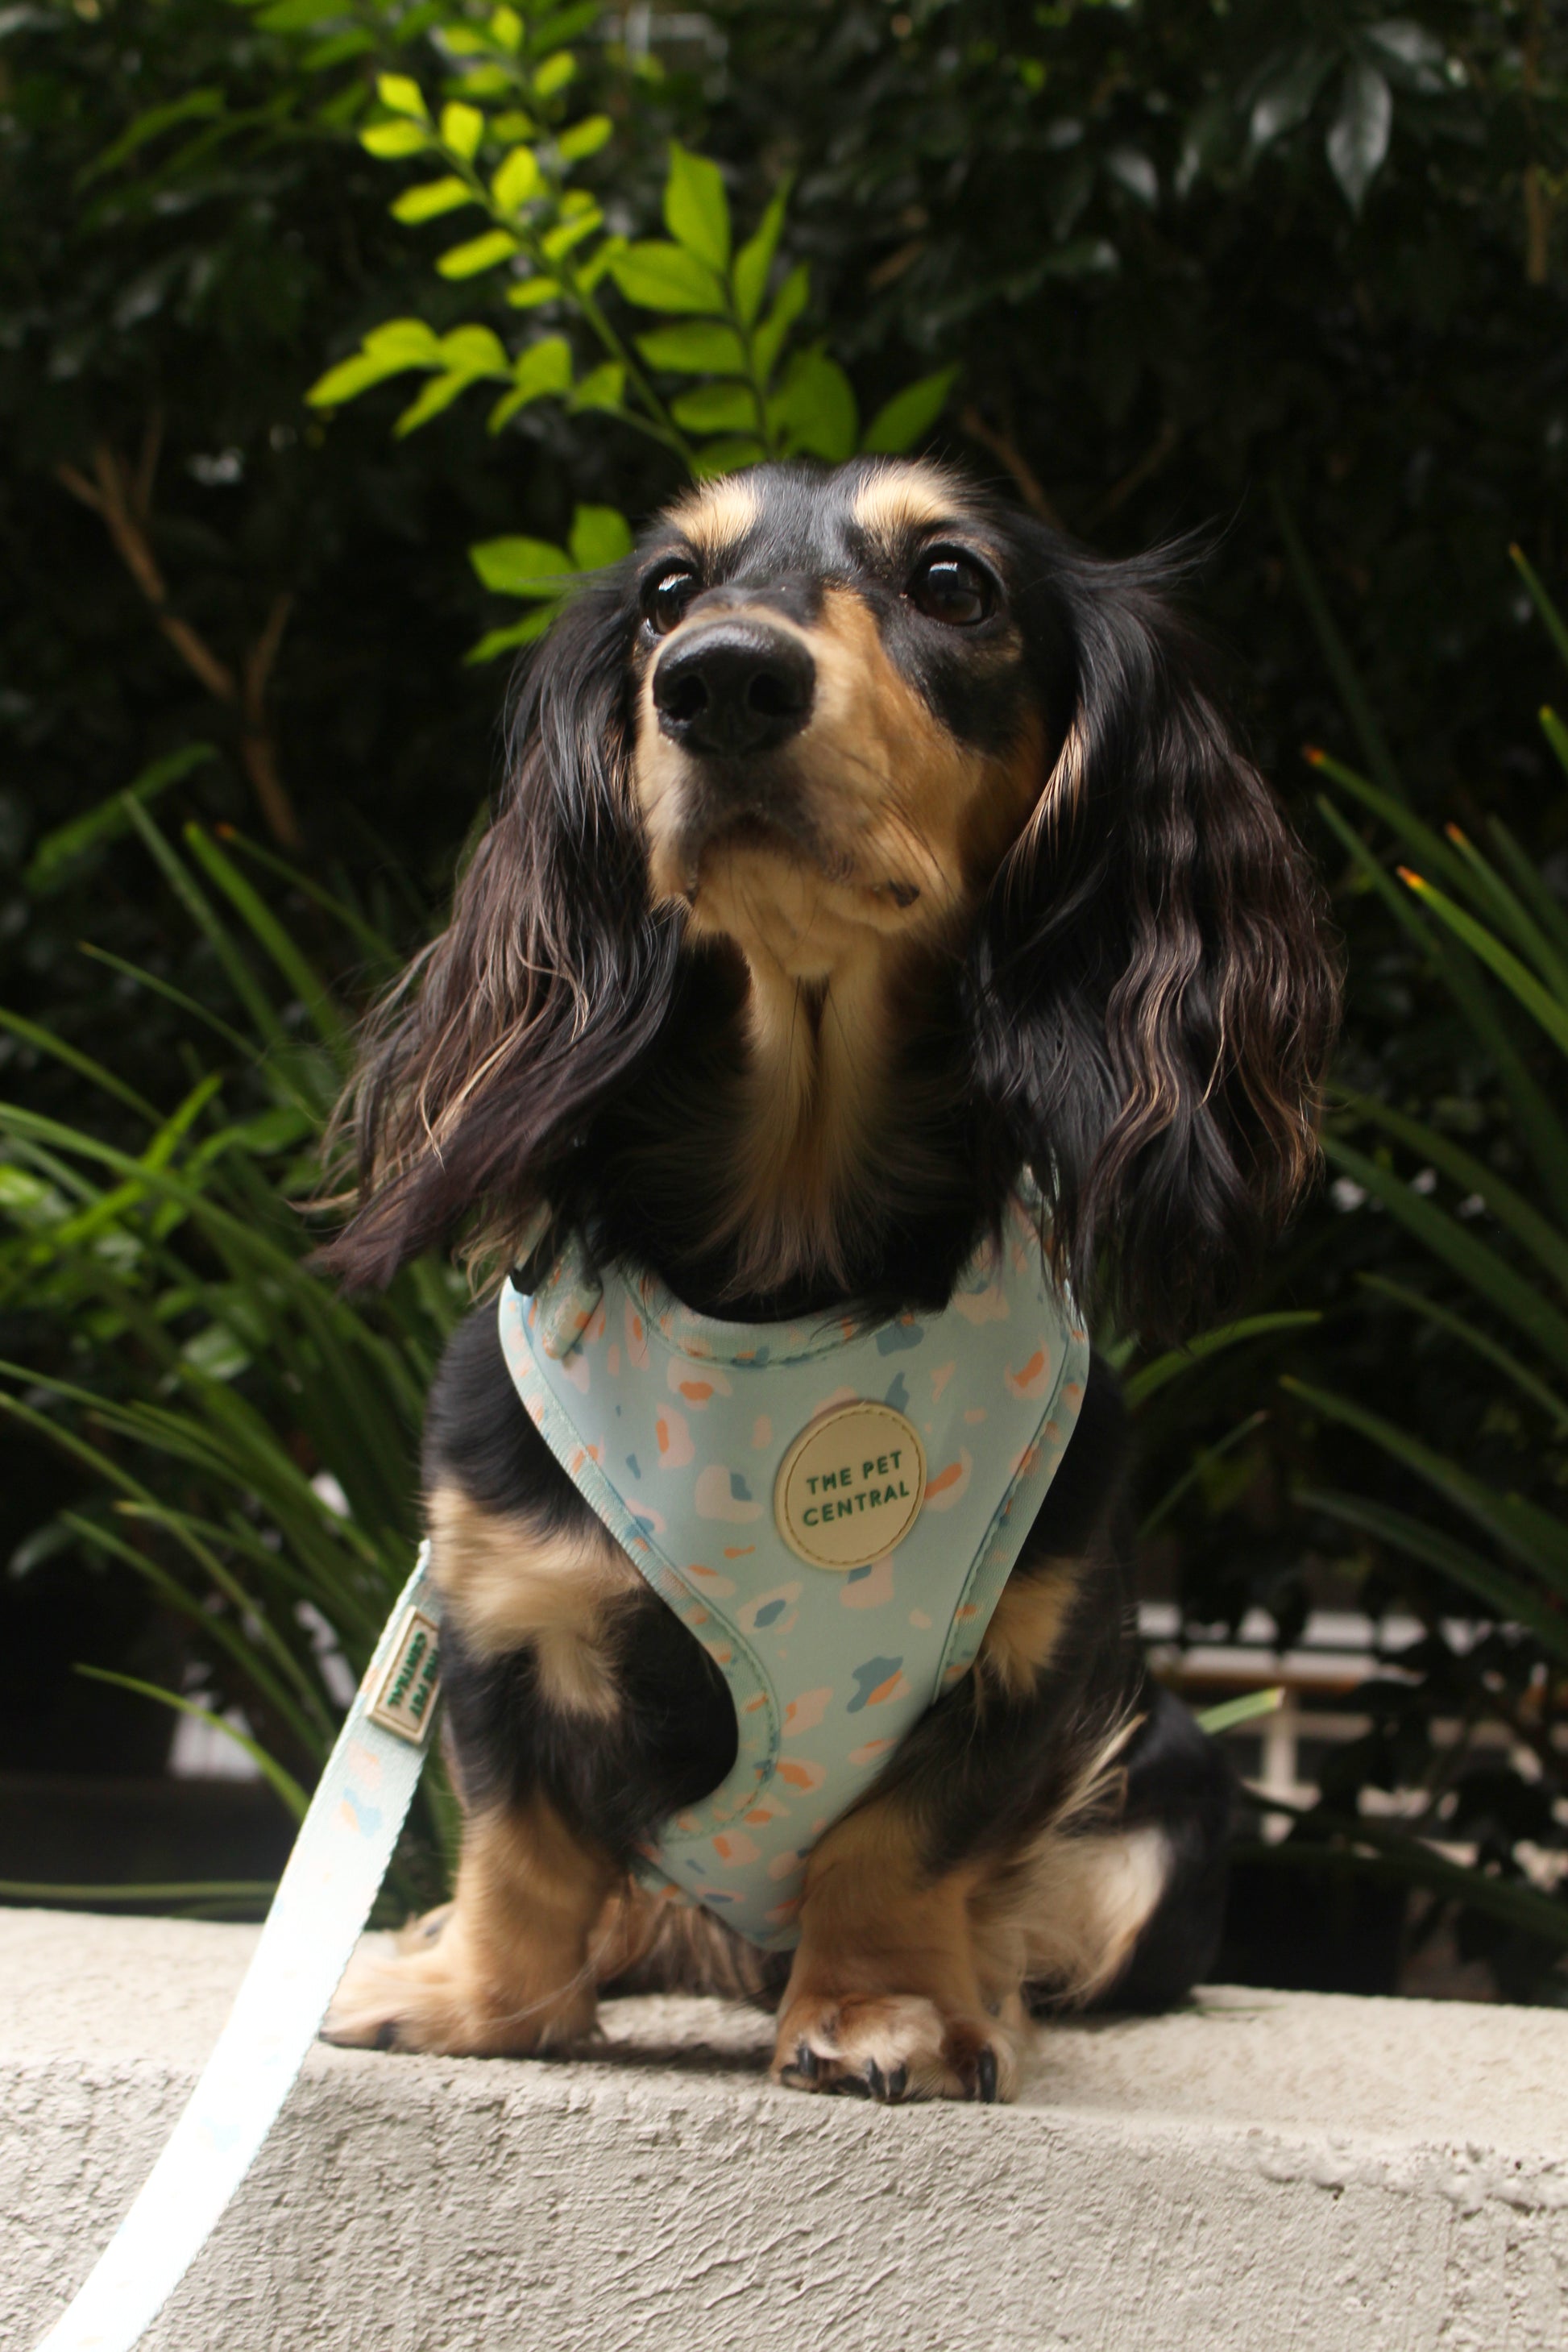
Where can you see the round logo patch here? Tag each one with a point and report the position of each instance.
(851, 1486)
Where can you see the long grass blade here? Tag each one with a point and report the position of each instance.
(1521, 984)
(315, 1726)
(1545, 1136)
(1202, 1461)
(241, 978)
(1550, 912)
(1556, 734)
(1336, 653)
(1507, 913)
(1392, 810)
(1526, 1533)
(1473, 1177)
(282, 1784)
(33, 1033)
(1245, 1709)
(269, 934)
(1152, 1377)
(381, 950)
(157, 986)
(1504, 1595)
(1553, 1405)
(1519, 1300)
(1556, 627)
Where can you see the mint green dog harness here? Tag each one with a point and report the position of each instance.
(832, 1509)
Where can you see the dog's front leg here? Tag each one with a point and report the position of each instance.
(887, 1994)
(507, 1965)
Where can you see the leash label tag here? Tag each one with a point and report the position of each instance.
(406, 1701)
(851, 1487)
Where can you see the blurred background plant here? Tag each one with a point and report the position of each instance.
(336, 335)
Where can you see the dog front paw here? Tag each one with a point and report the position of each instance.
(897, 2046)
(431, 1996)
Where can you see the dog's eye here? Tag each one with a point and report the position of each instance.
(950, 587)
(667, 597)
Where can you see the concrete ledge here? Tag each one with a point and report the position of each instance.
(1261, 2169)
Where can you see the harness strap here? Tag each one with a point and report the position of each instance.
(322, 1902)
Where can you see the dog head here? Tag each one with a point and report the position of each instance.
(873, 837)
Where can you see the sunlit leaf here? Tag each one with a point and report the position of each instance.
(520, 567)
(755, 258)
(585, 137)
(727, 456)
(481, 253)
(558, 241)
(551, 77)
(503, 641)
(697, 349)
(788, 304)
(815, 408)
(696, 208)
(908, 416)
(433, 198)
(529, 292)
(462, 128)
(658, 277)
(603, 387)
(717, 408)
(438, 394)
(394, 138)
(599, 535)
(516, 180)
(401, 96)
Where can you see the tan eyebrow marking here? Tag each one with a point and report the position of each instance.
(902, 499)
(716, 516)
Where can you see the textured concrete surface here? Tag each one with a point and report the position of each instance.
(1263, 2169)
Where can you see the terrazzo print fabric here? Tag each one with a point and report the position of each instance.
(676, 1428)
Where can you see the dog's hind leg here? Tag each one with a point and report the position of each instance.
(1128, 1917)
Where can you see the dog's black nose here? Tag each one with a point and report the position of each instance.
(736, 686)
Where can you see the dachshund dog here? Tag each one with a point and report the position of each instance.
(866, 846)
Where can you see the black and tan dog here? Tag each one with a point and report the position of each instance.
(864, 842)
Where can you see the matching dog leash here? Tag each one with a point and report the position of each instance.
(322, 1902)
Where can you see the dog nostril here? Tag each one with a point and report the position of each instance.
(684, 698)
(734, 688)
(773, 695)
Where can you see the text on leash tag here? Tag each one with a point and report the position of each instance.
(406, 1701)
(851, 1486)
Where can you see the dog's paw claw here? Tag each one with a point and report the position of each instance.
(893, 2046)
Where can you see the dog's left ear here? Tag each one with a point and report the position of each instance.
(1154, 991)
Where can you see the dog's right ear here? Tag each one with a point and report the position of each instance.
(552, 976)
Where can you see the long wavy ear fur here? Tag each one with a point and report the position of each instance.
(551, 978)
(1154, 993)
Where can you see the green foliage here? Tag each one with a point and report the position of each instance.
(1134, 224)
(249, 1435)
(1486, 1298)
(502, 140)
